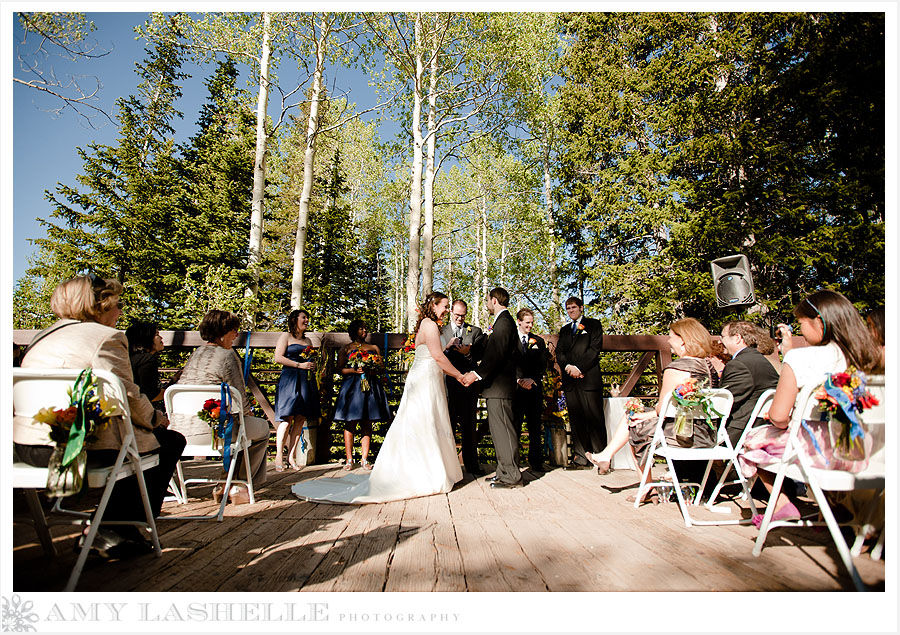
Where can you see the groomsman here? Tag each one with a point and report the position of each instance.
(577, 350)
(497, 372)
(528, 403)
(458, 338)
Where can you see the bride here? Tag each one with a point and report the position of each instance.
(418, 456)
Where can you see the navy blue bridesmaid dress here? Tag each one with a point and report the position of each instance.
(297, 392)
(356, 404)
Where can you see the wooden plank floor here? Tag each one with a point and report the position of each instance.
(564, 531)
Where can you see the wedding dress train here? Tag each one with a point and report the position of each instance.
(418, 456)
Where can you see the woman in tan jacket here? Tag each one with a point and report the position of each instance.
(86, 337)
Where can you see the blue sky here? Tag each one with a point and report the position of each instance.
(45, 145)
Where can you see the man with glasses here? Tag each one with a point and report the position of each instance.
(462, 343)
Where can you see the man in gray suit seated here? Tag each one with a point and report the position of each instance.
(747, 375)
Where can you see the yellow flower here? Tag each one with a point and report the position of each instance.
(45, 415)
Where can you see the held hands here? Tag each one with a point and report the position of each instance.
(468, 379)
(526, 383)
(574, 371)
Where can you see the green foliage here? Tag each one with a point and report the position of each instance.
(694, 136)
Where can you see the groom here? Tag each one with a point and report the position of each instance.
(497, 373)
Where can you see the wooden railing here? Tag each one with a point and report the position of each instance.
(654, 353)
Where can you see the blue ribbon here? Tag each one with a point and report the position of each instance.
(248, 356)
(226, 423)
(856, 431)
(812, 437)
(387, 375)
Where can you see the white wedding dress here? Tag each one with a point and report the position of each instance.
(418, 456)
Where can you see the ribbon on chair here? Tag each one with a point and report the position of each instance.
(226, 424)
(78, 431)
(856, 431)
(248, 356)
(387, 375)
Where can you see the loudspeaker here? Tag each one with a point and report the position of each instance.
(732, 281)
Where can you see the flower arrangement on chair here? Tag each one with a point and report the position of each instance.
(691, 397)
(210, 414)
(71, 429)
(841, 396)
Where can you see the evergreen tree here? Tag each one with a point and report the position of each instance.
(118, 224)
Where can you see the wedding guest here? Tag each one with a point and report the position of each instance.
(719, 357)
(748, 375)
(767, 346)
(85, 337)
(462, 401)
(297, 394)
(875, 323)
(214, 363)
(144, 346)
(837, 338)
(361, 400)
(528, 403)
(577, 351)
(692, 344)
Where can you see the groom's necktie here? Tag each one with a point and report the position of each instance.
(574, 328)
(524, 344)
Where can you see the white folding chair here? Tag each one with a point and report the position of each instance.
(796, 464)
(188, 399)
(762, 406)
(722, 400)
(36, 388)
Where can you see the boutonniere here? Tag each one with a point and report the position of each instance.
(487, 331)
(469, 328)
(580, 328)
(532, 343)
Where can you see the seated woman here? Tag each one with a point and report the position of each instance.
(357, 406)
(144, 345)
(837, 338)
(85, 336)
(214, 363)
(692, 344)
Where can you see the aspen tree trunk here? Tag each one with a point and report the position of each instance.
(484, 262)
(415, 190)
(309, 157)
(550, 221)
(428, 230)
(259, 163)
(475, 308)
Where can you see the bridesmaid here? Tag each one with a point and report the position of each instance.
(357, 407)
(297, 396)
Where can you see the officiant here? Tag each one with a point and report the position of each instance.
(461, 342)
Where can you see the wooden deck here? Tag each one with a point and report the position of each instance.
(564, 531)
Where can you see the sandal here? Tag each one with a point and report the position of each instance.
(787, 512)
(348, 466)
(279, 466)
(649, 498)
(603, 467)
(366, 465)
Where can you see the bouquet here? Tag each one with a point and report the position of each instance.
(307, 354)
(690, 397)
(88, 413)
(409, 348)
(367, 361)
(633, 406)
(841, 397)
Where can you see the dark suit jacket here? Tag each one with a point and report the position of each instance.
(581, 350)
(532, 363)
(472, 336)
(498, 364)
(747, 376)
